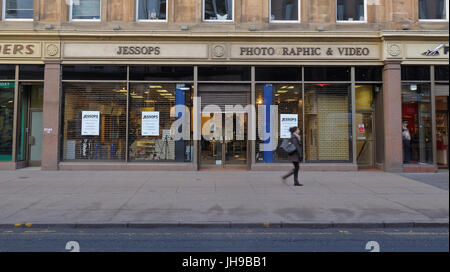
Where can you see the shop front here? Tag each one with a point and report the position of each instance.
(202, 106)
(21, 102)
(207, 105)
(424, 75)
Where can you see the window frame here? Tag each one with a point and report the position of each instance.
(83, 20)
(14, 19)
(152, 20)
(352, 22)
(221, 21)
(433, 20)
(299, 20)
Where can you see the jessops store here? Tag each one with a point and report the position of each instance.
(202, 105)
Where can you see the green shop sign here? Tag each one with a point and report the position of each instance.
(7, 85)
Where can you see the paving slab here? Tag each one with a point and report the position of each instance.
(230, 198)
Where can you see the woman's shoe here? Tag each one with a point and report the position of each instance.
(298, 184)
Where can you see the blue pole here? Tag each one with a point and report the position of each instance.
(268, 100)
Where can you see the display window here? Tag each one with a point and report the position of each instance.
(6, 120)
(416, 123)
(442, 130)
(289, 112)
(94, 122)
(160, 122)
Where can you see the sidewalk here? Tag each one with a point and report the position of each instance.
(138, 198)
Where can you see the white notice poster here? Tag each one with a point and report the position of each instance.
(90, 123)
(287, 121)
(150, 123)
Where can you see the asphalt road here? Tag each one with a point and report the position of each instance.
(180, 239)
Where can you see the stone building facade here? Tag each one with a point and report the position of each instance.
(99, 84)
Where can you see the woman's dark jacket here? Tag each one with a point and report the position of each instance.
(297, 156)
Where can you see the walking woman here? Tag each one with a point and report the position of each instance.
(295, 157)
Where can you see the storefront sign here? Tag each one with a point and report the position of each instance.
(306, 51)
(150, 123)
(135, 50)
(435, 51)
(361, 128)
(286, 122)
(7, 84)
(227, 50)
(90, 124)
(15, 50)
(427, 51)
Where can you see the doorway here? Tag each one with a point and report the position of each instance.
(224, 130)
(30, 124)
(365, 144)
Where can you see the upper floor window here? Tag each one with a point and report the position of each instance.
(351, 11)
(218, 10)
(152, 10)
(17, 10)
(284, 10)
(433, 9)
(84, 10)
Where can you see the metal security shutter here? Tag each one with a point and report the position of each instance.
(110, 100)
(441, 90)
(223, 95)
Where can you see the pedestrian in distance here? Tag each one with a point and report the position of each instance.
(295, 156)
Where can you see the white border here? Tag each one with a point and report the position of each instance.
(434, 20)
(14, 19)
(223, 21)
(150, 20)
(353, 22)
(84, 20)
(299, 2)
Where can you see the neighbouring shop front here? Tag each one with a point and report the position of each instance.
(21, 108)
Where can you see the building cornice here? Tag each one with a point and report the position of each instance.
(193, 35)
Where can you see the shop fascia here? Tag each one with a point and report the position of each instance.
(75, 50)
(304, 51)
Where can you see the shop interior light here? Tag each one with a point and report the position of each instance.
(291, 87)
(277, 94)
(259, 101)
(282, 91)
(155, 87)
(10, 101)
(161, 91)
(149, 101)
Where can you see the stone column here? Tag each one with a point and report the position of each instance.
(392, 100)
(51, 115)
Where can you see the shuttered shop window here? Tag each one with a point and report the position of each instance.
(156, 140)
(94, 125)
